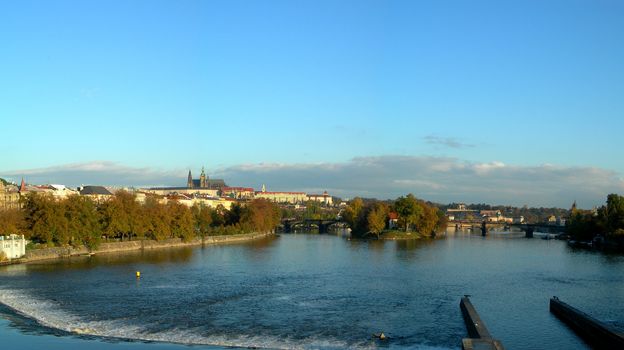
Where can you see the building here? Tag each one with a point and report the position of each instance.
(203, 186)
(191, 200)
(492, 215)
(12, 246)
(282, 197)
(393, 220)
(324, 198)
(238, 192)
(25, 189)
(97, 193)
(9, 196)
(57, 191)
(461, 213)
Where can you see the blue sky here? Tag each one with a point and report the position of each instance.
(163, 86)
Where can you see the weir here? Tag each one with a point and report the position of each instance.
(590, 329)
(480, 337)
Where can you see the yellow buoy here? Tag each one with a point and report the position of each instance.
(138, 274)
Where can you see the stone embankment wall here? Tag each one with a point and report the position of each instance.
(112, 247)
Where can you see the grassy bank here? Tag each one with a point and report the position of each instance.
(400, 235)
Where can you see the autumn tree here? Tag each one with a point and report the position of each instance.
(181, 224)
(352, 214)
(377, 217)
(157, 219)
(12, 222)
(45, 219)
(120, 215)
(83, 226)
(261, 215)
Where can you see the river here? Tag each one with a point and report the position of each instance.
(310, 291)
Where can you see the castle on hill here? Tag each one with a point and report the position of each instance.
(204, 181)
(202, 186)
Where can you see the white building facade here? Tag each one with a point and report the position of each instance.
(13, 246)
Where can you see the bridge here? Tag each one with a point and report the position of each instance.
(322, 224)
(529, 229)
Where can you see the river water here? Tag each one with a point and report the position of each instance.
(311, 291)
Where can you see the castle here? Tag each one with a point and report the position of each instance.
(201, 186)
(204, 182)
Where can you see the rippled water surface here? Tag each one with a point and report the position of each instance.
(315, 291)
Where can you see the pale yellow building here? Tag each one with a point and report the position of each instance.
(283, 197)
(9, 197)
(324, 198)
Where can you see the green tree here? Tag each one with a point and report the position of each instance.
(202, 216)
(233, 215)
(408, 209)
(615, 212)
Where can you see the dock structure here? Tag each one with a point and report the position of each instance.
(596, 333)
(480, 337)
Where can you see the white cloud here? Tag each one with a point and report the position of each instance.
(439, 179)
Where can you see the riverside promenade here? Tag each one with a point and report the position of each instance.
(126, 246)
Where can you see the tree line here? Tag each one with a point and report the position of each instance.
(79, 220)
(607, 221)
(372, 216)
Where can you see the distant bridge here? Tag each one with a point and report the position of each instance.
(322, 224)
(529, 229)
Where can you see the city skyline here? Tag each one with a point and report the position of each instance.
(516, 103)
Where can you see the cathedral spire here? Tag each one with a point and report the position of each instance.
(202, 179)
(189, 181)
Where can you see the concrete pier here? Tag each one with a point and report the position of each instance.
(596, 333)
(480, 337)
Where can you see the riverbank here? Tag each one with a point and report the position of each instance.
(400, 235)
(117, 247)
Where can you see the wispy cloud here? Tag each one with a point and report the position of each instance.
(449, 142)
(97, 172)
(440, 179)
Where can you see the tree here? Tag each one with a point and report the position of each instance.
(202, 215)
(408, 209)
(352, 213)
(233, 215)
(615, 212)
(181, 224)
(260, 215)
(427, 220)
(158, 219)
(377, 217)
(45, 219)
(82, 221)
(12, 222)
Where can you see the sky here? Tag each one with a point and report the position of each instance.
(504, 102)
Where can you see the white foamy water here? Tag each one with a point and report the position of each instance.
(49, 314)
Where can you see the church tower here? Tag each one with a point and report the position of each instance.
(202, 179)
(189, 181)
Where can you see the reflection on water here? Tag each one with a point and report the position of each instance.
(321, 291)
